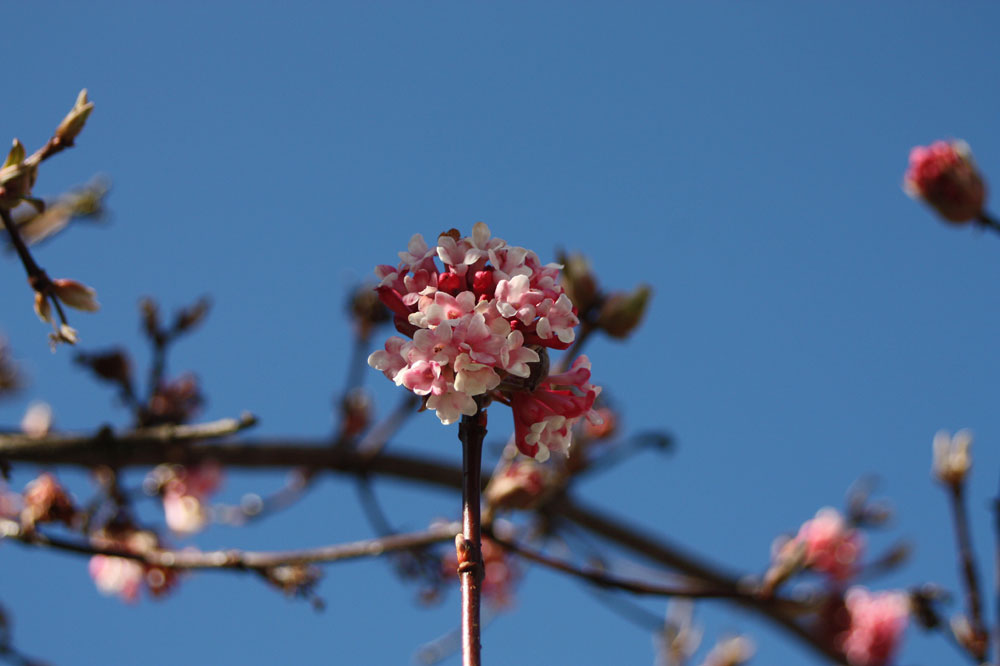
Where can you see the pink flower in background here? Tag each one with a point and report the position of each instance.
(124, 577)
(944, 175)
(831, 546)
(877, 622)
(185, 490)
(117, 576)
(476, 327)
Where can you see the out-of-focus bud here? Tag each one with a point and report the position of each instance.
(970, 639)
(150, 314)
(189, 317)
(788, 558)
(367, 310)
(622, 313)
(731, 651)
(578, 281)
(951, 457)
(46, 501)
(10, 377)
(74, 121)
(355, 413)
(294, 579)
(16, 177)
(42, 307)
(66, 334)
(174, 402)
(113, 366)
(603, 429)
(521, 485)
(37, 420)
(76, 294)
(680, 636)
(945, 177)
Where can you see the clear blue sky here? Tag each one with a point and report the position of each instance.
(810, 324)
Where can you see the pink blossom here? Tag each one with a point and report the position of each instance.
(472, 324)
(543, 418)
(831, 547)
(944, 175)
(185, 491)
(390, 361)
(117, 576)
(877, 622)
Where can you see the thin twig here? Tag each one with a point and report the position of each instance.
(968, 570)
(602, 579)
(238, 559)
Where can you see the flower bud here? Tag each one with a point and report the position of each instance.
(42, 307)
(76, 294)
(945, 177)
(37, 420)
(74, 121)
(951, 457)
(579, 282)
(621, 313)
(16, 177)
(46, 501)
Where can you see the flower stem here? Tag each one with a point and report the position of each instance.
(967, 568)
(471, 432)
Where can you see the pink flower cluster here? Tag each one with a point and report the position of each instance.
(944, 175)
(473, 323)
(877, 622)
(831, 546)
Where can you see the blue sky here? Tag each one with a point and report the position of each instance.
(810, 323)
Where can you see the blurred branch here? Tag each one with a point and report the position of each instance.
(179, 444)
(237, 559)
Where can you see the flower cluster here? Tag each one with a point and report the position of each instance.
(481, 324)
(877, 621)
(831, 546)
(124, 577)
(944, 175)
(184, 491)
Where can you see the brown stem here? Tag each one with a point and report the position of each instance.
(967, 568)
(996, 575)
(471, 431)
(638, 587)
(988, 221)
(30, 267)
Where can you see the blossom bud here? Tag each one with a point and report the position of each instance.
(76, 294)
(37, 420)
(189, 317)
(951, 457)
(578, 281)
(74, 121)
(42, 307)
(731, 651)
(150, 314)
(16, 177)
(46, 501)
(945, 177)
(113, 366)
(621, 313)
(367, 310)
(521, 485)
